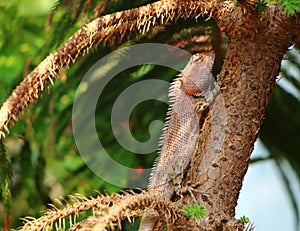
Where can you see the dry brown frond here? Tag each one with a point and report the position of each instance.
(108, 212)
(106, 28)
(63, 212)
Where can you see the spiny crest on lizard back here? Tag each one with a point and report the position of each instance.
(196, 75)
(179, 140)
(182, 121)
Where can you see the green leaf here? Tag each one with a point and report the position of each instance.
(5, 177)
(195, 210)
(290, 7)
(261, 5)
(245, 219)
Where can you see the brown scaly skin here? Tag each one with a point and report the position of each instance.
(190, 95)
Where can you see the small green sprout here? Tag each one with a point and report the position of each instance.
(261, 5)
(195, 210)
(236, 3)
(245, 219)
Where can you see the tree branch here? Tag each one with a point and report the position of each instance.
(108, 211)
(101, 29)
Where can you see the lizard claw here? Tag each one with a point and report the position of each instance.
(189, 188)
(202, 105)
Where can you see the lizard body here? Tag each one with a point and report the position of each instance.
(189, 96)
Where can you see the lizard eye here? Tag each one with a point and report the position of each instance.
(197, 59)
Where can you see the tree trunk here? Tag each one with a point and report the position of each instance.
(255, 50)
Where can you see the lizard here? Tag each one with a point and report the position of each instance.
(189, 96)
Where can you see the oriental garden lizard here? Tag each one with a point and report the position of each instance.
(189, 95)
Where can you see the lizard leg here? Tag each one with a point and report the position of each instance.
(205, 100)
(201, 105)
(189, 188)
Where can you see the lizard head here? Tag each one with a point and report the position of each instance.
(196, 78)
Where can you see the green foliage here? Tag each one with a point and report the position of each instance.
(236, 3)
(41, 144)
(261, 5)
(20, 38)
(282, 137)
(195, 210)
(6, 173)
(249, 226)
(290, 7)
(245, 219)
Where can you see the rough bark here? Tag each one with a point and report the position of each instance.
(257, 43)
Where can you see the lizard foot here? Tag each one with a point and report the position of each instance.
(189, 188)
(205, 100)
(202, 105)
